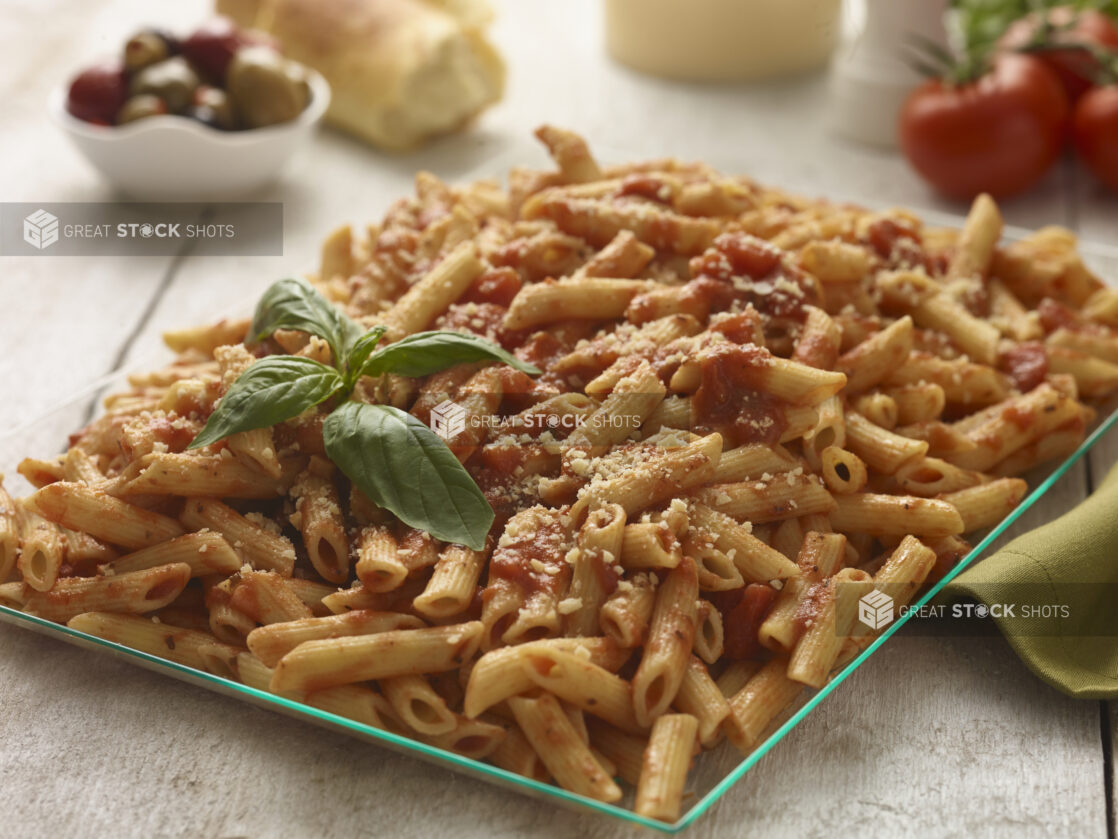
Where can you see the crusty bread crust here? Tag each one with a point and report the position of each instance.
(401, 71)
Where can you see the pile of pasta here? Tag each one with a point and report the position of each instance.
(752, 402)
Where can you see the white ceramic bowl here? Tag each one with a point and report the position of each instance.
(174, 158)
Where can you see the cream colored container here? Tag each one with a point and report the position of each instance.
(722, 40)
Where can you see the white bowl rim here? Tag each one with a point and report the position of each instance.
(311, 114)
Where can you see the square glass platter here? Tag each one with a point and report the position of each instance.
(715, 772)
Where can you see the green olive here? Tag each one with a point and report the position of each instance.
(264, 87)
(216, 105)
(144, 49)
(141, 106)
(171, 80)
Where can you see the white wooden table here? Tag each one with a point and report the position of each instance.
(932, 737)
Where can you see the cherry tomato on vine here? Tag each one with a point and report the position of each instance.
(1095, 130)
(998, 133)
(1075, 67)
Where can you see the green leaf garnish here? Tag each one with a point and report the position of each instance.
(429, 352)
(396, 460)
(402, 466)
(362, 349)
(294, 303)
(272, 390)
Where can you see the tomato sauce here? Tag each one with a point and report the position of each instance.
(1026, 364)
(523, 562)
(742, 269)
(497, 285)
(730, 402)
(743, 611)
(645, 186)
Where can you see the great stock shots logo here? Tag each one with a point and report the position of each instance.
(875, 609)
(56, 228)
(40, 229)
(448, 419)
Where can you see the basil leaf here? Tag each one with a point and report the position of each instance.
(293, 303)
(272, 390)
(362, 349)
(401, 465)
(430, 352)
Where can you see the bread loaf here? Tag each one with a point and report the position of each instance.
(401, 71)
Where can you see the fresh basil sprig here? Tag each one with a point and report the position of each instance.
(272, 390)
(401, 465)
(293, 303)
(396, 460)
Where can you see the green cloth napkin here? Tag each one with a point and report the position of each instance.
(1072, 561)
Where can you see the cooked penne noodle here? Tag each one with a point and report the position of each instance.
(378, 566)
(820, 556)
(206, 553)
(750, 462)
(700, 697)
(877, 356)
(664, 770)
(10, 527)
(109, 519)
(267, 598)
(828, 622)
(499, 674)
(1022, 420)
(878, 448)
(453, 583)
(314, 665)
(930, 476)
(833, 261)
(917, 402)
(625, 615)
(474, 739)
(600, 544)
(986, 504)
(320, 521)
(649, 545)
(418, 307)
(671, 634)
(755, 560)
(516, 754)
(734, 677)
(758, 703)
(654, 480)
(896, 515)
(768, 501)
(201, 475)
(182, 646)
(829, 430)
(588, 298)
(963, 382)
(227, 623)
(710, 635)
(844, 473)
(562, 751)
(818, 345)
(878, 408)
(256, 543)
(975, 249)
(272, 642)
(421, 709)
(1094, 377)
(133, 593)
(41, 552)
(581, 683)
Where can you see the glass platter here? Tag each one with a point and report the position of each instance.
(715, 772)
